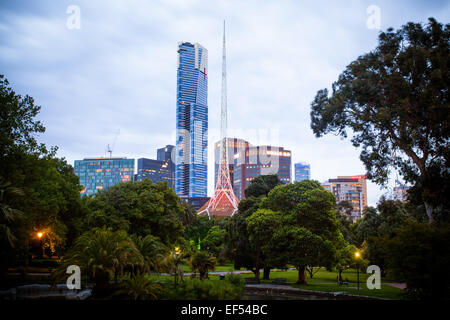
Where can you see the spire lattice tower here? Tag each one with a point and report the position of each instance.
(224, 201)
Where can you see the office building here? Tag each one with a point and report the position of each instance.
(247, 162)
(352, 189)
(101, 173)
(162, 169)
(302, 171)
(165, 154)
(401, 192)
(191, 170)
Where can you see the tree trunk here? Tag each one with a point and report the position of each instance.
(181, 273)
(301, 275)
(429, 210)
(340, 275)
(256, 273)
(266, 274)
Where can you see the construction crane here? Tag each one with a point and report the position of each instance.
(110, 149)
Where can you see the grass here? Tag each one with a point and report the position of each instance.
(227, 267)
(323, 280)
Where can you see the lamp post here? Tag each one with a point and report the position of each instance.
(39, 235)
(177, 251)
(357, 266)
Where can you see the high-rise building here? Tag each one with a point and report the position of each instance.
(302, 171)
(191, 170)
(162, 169)
(400, 192)
(352, 189)
(101, 173)
(165, 154)
(156, 171)
(247, 162)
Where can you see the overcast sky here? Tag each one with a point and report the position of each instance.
(118, 70)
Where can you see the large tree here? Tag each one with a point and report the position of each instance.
(309, 234)
(140, 208)
(261, 227)
(51, 193)
(395, 101)
(261, 185)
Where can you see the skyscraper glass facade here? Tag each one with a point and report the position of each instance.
(302, 171)
(156, 171)
(191, 169)
(247, 162)
(101, 173)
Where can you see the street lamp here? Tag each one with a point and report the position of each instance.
(357, 266)
(39, 235)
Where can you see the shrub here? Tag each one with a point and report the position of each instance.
(235, 279)
(195, 289)
(420, 256)
(139, 287)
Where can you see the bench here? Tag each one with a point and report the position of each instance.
(251, 280)
(279, 281)
(339, 282)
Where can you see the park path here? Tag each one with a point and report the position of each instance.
(396, 285)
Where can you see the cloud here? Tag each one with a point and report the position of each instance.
(119, 70)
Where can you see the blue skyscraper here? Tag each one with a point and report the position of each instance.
(191, 170)
(302, 171)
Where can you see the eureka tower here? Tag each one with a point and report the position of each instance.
(191, 169)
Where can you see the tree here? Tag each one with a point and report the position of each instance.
(139, 287)
(344, 258)
(261, 227)
(419, 255)
(237, 238)
(300, 247)
(102, 254)
(140, 208)
(214, 242)
(199, 228)
(343, 215)
(261, 185)
(174, 262)
(8, 215)
(202, 261)
(309, 225)
(17, 126)
(152, 250)
(395, 100)
(51, 190)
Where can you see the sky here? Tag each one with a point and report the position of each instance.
(109, 72)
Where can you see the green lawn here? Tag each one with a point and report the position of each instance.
(326, 281)
(227, 267)
(322, 281)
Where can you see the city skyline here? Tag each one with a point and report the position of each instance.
(89, 86)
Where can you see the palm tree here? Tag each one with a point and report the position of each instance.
(174, 263)
(203, 261)
(8, 214)
(139, 287)
(152, 250)
(102, 253)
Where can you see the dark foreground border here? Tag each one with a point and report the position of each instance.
(294, 309)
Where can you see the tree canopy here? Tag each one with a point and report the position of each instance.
(140, 208)
(395, 102)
